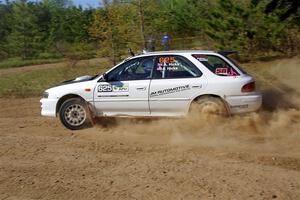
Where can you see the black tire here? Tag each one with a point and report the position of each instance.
(209, 106)
(74, 114)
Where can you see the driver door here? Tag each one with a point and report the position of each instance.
(125, 92)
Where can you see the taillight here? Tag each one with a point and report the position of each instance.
(249, 87)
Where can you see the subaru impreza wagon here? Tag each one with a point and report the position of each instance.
(156, 84)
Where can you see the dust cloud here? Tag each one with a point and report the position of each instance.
(251, 156)
(275, 127)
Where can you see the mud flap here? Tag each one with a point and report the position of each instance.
(91, 113)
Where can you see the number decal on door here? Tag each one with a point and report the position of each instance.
(105, 88)
(113, 88)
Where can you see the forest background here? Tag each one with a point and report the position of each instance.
(51, 30)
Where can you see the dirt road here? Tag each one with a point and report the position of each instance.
(256, 156)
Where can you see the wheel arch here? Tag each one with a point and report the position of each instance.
(64, 98)
(210, 95)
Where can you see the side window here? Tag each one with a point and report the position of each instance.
(216, 65)
(136, 69)
(170, 66)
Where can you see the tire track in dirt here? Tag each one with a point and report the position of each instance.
(254, 156)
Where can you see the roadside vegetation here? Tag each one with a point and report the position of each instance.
(52, 29)
(35, 82)
(18, 62)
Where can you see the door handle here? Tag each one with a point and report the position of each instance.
(141, 88)
(196, 86)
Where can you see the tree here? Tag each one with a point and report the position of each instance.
(114, 28)
(24, 38)
(67, 27)
(227, 25)
(54, 28)
(5, 10)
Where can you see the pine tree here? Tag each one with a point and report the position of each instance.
(114, 28)
(24, 38)
(5, 13)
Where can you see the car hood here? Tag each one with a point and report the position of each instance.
(74, 86)
(77, 80)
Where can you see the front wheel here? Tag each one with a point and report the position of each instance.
(74, 114)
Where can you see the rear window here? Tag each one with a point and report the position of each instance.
(216, 65)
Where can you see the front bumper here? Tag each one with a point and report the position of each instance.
(244, 103)
(48, 107)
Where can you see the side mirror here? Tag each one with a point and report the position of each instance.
(104, 78)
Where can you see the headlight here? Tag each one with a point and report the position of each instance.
(45, 95)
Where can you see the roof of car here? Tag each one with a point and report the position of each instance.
(178, 51)
(169, 52)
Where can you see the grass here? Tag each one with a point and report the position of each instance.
(35, 82)
(18, 62)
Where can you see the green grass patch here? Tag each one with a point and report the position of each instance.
(18, 62)
(35, 82)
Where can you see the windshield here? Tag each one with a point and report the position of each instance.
(111, 68)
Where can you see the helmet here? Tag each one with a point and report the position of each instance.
(147, 65)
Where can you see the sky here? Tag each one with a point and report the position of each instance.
(83, 3)
(87, 3)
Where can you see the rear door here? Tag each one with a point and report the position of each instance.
(125, 92)
(175, 82)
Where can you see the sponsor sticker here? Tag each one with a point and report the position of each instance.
(170, 90)
(120, 88)
(222, 71)
(172, 68)
(225, 71)
(232, 73)
(113, 88)
(201, 58)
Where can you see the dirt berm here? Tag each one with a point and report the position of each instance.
(254, 156)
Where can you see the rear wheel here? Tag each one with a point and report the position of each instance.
(74, 114)
(209, 106)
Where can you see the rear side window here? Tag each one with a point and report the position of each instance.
(216, 65)
(236, 64)
(170, 66)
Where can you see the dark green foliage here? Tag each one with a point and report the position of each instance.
(56, 28)
(24, 38)
(31, 30)
(285, 8)
(5, 28)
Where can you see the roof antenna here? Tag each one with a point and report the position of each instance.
(131, 52)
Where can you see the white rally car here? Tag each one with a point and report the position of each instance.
(157, 84)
